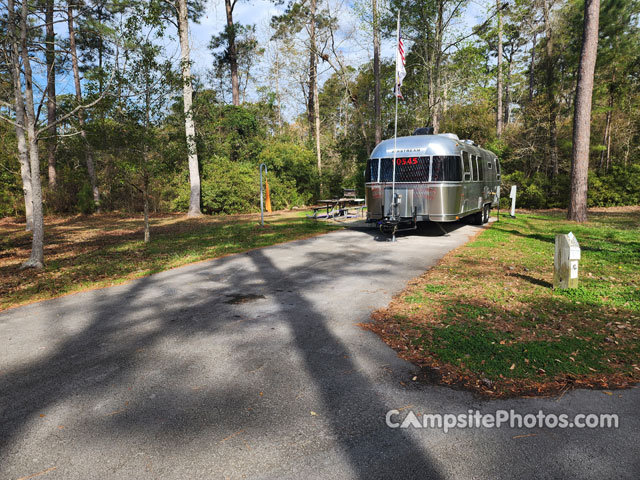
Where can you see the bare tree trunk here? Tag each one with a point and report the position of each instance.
(145, 155)
(246, 85)
(279, 105)
(582, 114)
(88, 150)
(551, 96)
(507, 92)
(532, 66)
(25, 173)
(376, 73)
(428, 53)
(316, 119)
(145, 194)
(605, 142)
(607, 130)
(499, 81)
(366, 139)
(233, 54)
(23, 154)
(187, 94)
(312, 68)
(276, 65)
(314, 106)
(445, 97)
(627, 150)
(553, 138)
(608, 163)
(50, 57)
(435, 116)
(36, 259)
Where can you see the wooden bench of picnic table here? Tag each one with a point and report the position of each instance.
(338, 207)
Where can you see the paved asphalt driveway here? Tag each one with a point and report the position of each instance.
(252, 366)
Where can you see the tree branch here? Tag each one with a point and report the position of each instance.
(82, 107)
(6, 119)
(475, 30)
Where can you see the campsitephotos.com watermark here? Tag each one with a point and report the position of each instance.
(499, 419)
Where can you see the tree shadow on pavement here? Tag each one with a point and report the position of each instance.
(127, 375)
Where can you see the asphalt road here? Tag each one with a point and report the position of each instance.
(253, 366)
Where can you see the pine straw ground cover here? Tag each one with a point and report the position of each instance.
(84, 252)
(487, 318)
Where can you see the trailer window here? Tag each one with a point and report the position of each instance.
(446, 169)
(466, 163)
(408, 169)
(474, 167)
(480, 169)
(371, 173)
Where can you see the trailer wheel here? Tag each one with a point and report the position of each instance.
(477, 218)
(485, 213)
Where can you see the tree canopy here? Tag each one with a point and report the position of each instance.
(305, 104)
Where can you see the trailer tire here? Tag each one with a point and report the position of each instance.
(485, 213)
(477, 218)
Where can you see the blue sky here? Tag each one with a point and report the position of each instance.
(355, 44)
(214, 20)
(259, 12)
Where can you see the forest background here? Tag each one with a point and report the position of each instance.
(296, 90)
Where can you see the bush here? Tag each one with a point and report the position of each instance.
(85, 200)
(618, 187)
(621, 186)
(537, 191)
(11, 195)
(530, 191)
(226, 187)
(234, 187)
(293, 165)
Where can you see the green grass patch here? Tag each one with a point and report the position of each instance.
(493, 314)
(97, 251)
(478, 349)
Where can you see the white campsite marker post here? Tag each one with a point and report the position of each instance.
(565, 261)
(512, 196)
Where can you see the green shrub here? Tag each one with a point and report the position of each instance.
(234, 187)
(530, 191)
(85, 203)
(618, 187)
(294, 165)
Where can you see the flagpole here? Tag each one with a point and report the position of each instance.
(395, 131)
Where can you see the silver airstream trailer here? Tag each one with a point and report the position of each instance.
(438, 178)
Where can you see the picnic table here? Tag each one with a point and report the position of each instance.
(338, 207)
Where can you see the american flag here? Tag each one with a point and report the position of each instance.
(400, 70)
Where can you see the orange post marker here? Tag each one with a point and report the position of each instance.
(268, 199)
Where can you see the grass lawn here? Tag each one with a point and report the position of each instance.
(487, 318)
(94, 251)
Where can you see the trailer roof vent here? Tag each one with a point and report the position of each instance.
(469, 142)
